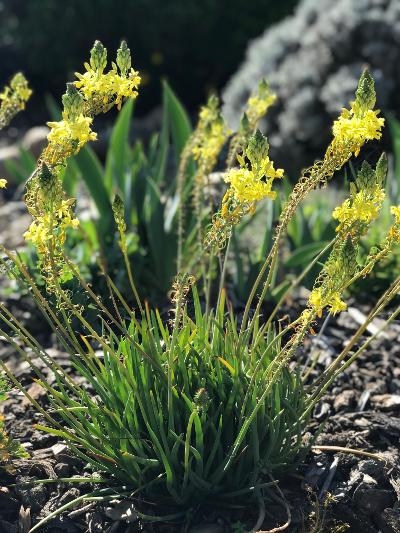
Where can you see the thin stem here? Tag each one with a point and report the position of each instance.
(131, 281)
(179, 190)
(353, 451)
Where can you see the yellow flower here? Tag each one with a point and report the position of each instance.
(336, 304)
(210, 143)
(321, 298)
(110, 88)
(3, 183)
(92, 82)
(364, 206)
(352, 129)
(75, 132)
(38, 234)
(259, 103)
(316, 300)
(125, 87)
(395, 210)
(248, 186)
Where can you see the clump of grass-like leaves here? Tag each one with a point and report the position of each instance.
(185, 417)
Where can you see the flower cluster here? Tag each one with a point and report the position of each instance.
(40, 231)
(251, 183)
(104, 90)
(259, 103)
(95, 92)
(52, 219)
(67, 137)
(211, 134)
(355, 216)
(3, 183)
(394, 231)
(338, 270)
(360, 123)
(366, 198)
(13, 99)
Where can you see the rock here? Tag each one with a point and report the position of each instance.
(389, 521)
(122, 510)
(313, 60)
(62, 469)
(394, 386)
(344, 400)
(386, 402)
(35, 139)
(371, 500)
(59, 448)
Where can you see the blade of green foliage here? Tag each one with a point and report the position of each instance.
(118, 153)
(92, 174)
(305, 254)
(179, 120)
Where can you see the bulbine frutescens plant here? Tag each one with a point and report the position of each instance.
(202, 408)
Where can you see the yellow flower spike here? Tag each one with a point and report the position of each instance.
(360, 123)
(366, 199)
(395, 210)
(259, 103)
(103, 90)
(3, 183)
(209, 137)
(70, 135)
(336, 304)
(316, 301)
(254, 183)
(13, 99)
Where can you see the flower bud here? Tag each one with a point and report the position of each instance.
(72, 101)
(98, 57)
(258, 147)
(119, 213)
(124, 58)
(46, 177)
(365, 93)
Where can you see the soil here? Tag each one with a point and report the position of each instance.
(333, 491)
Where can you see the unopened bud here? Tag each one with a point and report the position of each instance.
(124, 58)
(72, 101)
(365, 93)
(257, 148)
(46, 177)
(98, 57)
(119, 213)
